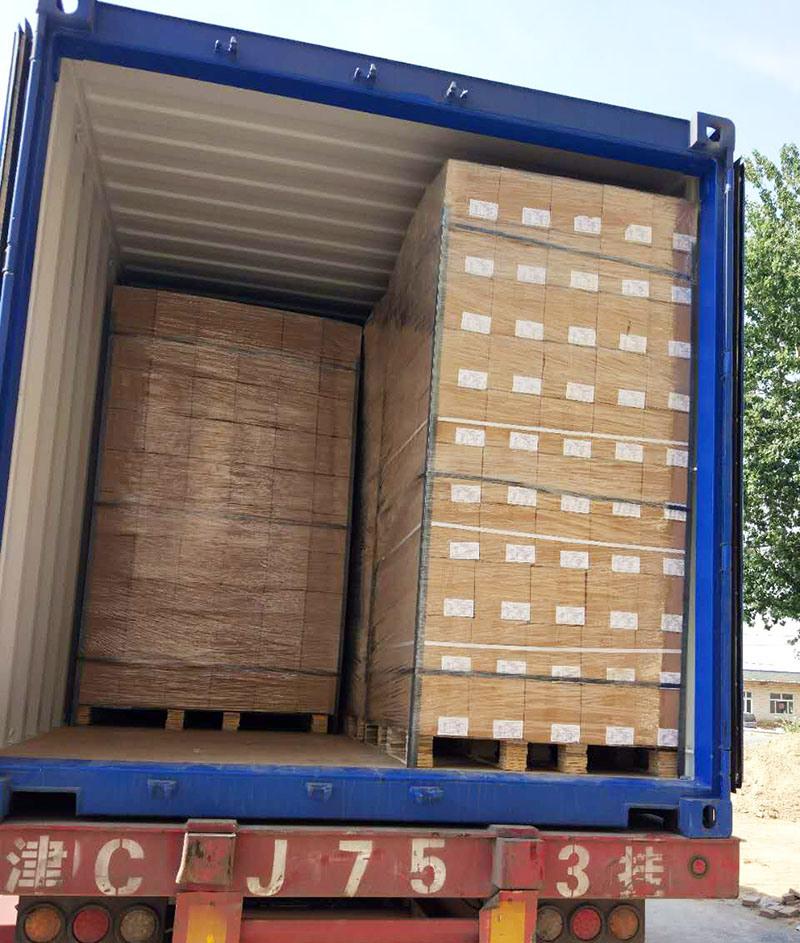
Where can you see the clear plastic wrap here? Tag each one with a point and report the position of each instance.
(551, 582)
(217, 565)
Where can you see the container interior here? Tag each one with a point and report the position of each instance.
(159, 181)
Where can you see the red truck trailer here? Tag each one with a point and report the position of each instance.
(103, 840)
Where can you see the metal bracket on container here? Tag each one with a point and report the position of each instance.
(82, 17)
(367, 77)
(518, 858)
(455, 93)
(207, 856)
(231, 49)
(713, 134)
(320, 792)
(162, 788)
(705, 818)
(426, 795)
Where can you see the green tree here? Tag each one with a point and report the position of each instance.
(772, 388)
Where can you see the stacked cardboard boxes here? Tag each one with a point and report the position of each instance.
(550, 554)
(217, 567)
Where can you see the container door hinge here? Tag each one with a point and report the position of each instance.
(727, 363)
(207, 856)
(726, 558)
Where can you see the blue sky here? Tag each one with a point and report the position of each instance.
(738, 59)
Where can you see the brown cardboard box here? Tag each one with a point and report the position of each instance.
(217, 574)
(543, 599)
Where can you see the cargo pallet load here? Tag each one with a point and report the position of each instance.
(370, 473)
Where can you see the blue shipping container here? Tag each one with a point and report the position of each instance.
(77, 91)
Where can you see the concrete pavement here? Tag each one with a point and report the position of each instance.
(713, 921)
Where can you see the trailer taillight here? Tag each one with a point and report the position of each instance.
(623, 922)
(42, 923)
(138, 925)
(91, 924)
(549, 924)
(586, 923)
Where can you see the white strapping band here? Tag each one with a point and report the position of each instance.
(570, 432)
(573, 650)
(554, 538)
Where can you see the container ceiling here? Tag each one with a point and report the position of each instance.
(291, 203)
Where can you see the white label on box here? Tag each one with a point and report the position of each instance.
(523, 441)
(476, 323)
(670, 677)
(580, 392)
(532, 274)
(619, 736)
(633, 343)
(473, 265)
(565, 733)
(507, 729)
(506, 667)
(678, 458)
(520, 553)
(584, 281)
(628, 452)
(465, 494)
(674, 514)
(515, 611)
(582, 336)
(620, 674)
(570, 615)
(531, 216)
(456, 663)
(679, 402)
(565, 671)
(636, 287)
(465, 550)
(530, 330)
(632, 398)
(626, 509)
(483, 209)
(460, 608)
(532, 386)
(574, 559)
(588, 224)
(474, 437)
(673, 566)
(522, 496)
(577, 448)
(672, 622)
(623, 620)
(667, 737)
(452, 726)
(681, 295)
(473, 379)
(575, 505)
(683, 242)
(621, 563)
(682, 349)
(637, 233)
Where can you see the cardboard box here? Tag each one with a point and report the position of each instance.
(542, 528)
(217, 572)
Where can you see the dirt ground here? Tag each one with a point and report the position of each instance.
(772, 776)
(767, 814)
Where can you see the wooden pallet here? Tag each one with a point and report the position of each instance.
(392, 740)
(520, 756)
(182, 719)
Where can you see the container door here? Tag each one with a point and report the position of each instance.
(12, 123)
(737, 685)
